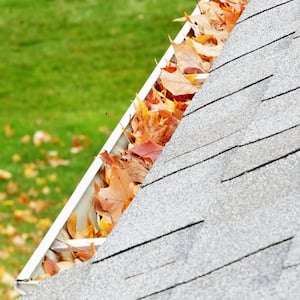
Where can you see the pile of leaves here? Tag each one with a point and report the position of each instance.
(156, 118)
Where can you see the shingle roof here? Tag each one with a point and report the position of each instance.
(218, 215)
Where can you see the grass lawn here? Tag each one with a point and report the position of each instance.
(63, 65)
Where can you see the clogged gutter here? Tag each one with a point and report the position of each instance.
(152, 126)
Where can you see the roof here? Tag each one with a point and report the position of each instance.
(218, 214)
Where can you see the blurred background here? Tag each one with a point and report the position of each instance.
(64, 64)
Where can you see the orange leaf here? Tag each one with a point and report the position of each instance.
(109, 201)
(147, 150)
(50, 266)
(204, 38)
(8, 131)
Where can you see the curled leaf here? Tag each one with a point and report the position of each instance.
(50, 266)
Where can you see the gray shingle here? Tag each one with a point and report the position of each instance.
(289, 284)
(293, 257)
(276, 26)
(252, 277)
(257, 153)
(224, 82)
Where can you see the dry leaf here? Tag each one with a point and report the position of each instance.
(177, 84)
(40, 137)
(147, 150)
(186, 57)
(25, 139)
(16, 157)
(71, 225)
(12, 188)
(109, 201)
(105, 227)
(50, 266)
(8, 131)
(207, 50)
(4, 175)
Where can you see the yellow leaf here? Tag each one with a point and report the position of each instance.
(44, 224)
(16, 157)
(105, 227)
(71, 225)
(25, 139)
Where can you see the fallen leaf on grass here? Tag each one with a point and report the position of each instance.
(25, 139)
(38, 206)
(25, 215)
(2, 196)
(4, 175)
(6, 278)
(105, 130)
(8, 131)
(44, 223)
(12, 188)
(30, 170)
(52, 177)
(57, 162)
(16, 157)
(40, 137)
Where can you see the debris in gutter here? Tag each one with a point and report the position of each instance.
(149, 130)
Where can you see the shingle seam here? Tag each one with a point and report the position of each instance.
(291, 266)
(190, 166)
(219, 268)
(205, 145)
(269, 136)
(230, 94)
(219, 153)
(296, 37)
(261, 165)
(149, 241)
(252, 51)
(281, 94)
(263, 11)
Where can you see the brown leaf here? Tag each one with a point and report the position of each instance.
(50, 266)
(109, 201)
(136, 166)
(147, 150)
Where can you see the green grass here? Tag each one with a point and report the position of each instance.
(63, 65)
